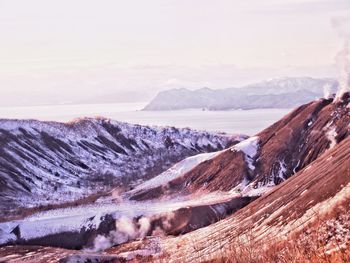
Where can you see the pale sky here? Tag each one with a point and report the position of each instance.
(70, 49)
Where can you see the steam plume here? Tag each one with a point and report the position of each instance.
(126, 229)
(342, 25)
(327, 91)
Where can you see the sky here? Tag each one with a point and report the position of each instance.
(69, 51)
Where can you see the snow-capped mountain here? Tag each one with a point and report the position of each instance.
(275, 93)
(49, 162)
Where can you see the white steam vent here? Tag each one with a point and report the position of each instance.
(327, 91)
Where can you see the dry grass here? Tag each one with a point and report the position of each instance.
(325, 240)
(290, 251)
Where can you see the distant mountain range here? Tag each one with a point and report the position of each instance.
(275, 93)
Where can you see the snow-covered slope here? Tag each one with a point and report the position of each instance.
(46, 162)
(275, 93)
(173, 172)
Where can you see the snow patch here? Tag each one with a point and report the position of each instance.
(331, 135)
(282, 170)
(176, 171)
(250, 148)
(296, 167)
(246, 189)
(259, 191)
